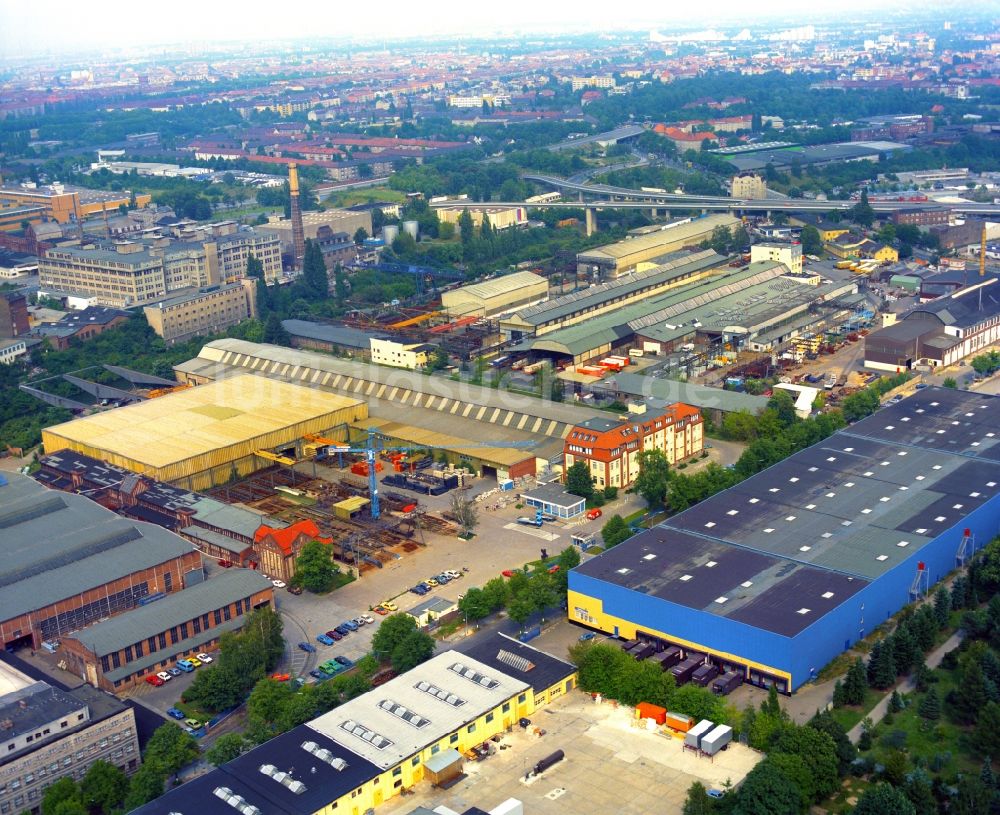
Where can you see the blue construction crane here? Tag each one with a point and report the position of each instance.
(373, 446)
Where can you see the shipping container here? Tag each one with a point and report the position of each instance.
(678, 721)
(642, 651)
(696, 733)
(727, 683)
(718, 738)
(682, 673)
(704, 674)
(645, 710)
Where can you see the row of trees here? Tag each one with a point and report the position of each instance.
(526, 593)
(245, 657)
(867, 400)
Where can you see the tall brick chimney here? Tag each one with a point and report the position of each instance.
(298, 233)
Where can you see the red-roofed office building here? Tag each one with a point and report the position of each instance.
(611, 447)
(277, 549)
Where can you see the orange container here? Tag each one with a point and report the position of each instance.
(678, 721)
(645, 710)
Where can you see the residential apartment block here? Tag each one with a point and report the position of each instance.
(50, 734)
(749, 186)
(611, 447)
(205, 311)
(788, 253)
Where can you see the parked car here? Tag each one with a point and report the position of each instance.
(204, 658)
(713, 793)
(443, 579)
(278, 584)
(425, 586)
(390, 605)
(553, 568)
(295, 589)
(351, 625)
(453, 574)
(431, 581)
(225, 564)
(318, 675)
(323, 638)
(309, 648)
(174, 671)
(164, 676)
(382, 610)
(594, 514)
(334, 635)
(281, 677)
(343, 661)
(174, 713)
(185, 665)
(194, 724)
(343, 630)
(587, 636)
(195, 662)
(358, 621)
(154, 680)
(368, 619)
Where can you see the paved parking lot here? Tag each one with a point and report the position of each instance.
(610, 766)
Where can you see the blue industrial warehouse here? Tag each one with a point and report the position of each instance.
(778, 575)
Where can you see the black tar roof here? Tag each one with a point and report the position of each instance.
(826, 520)
(545, 670)
(323, 783)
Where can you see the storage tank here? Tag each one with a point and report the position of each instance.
(411, 228)
(696, 733)
(715, 740)
(389, 233)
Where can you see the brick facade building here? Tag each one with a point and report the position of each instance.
(278, 548)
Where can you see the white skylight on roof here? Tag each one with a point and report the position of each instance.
(905, 419)
(920, 410)
(955, 424)
(746, 584)
(939, 432)
(803, 611)
(790, 518)
(831, 458)
(813, 469)
(901, 453)
(827, 535)
(711, 564)
(769, 530)
(685, 578)
(890, 427)
(845, 523)
(754, 501)
(903, 544)
(848, 449)
(869, 474)
(883, 464)
(804, 548)
(991, 483)
(921, 477)
(848, 483)
(934, 404)
(775, 489)
(957, 506)
(721, 600)
(624, 570)
(810, 506)
(973, 494)
(884, 498)
(882, 557)
(827, 595)
(939, 519)
(921, 530)
(733, 512)
(936, 467)
(650, 556)
(990, 435)
(903, 489)
(866, 511)
(830, 494)
(710, 524)
(975, 444)
(794, 479)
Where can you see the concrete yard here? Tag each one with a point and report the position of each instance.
(610, 766)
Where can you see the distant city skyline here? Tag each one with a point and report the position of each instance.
(49, 26)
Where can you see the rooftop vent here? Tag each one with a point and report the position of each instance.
(324, 755)
(376, 740)
(474, 676)
(438, 693)
(404, 713)
(283, 778)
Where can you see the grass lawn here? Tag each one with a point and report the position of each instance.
(847, 717)
(342, 579)
(349, 198)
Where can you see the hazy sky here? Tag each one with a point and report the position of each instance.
(59, 25)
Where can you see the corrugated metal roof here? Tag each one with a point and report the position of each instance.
(56, 545)
(180, 607)
(681, 232)
(498, 286)
(698, 396)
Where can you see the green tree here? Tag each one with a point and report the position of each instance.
(970, 695)
(855, 684)
(819, 755)
(845, 750)
(103, 787)
(569, 558)
(227, 747)
(360, 236)
(654, 471)
(520, 608)
(930, 706)
(697, 801)
(314, 275)
(63, 798)
(411, 650)
(920, 792)
(496, 592)
(972, 798)
(474, 605)
(340, 289)
(884, 799)
(170, 749)
(615, 531)
(579, 481)
(767, 791)
(862, 213)
(467, 229)
(254, 267)
(274, 331)
(314, 568)
(895, 702)
(986, 736)
(812, 243)
(145, 785)
(393, 630)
